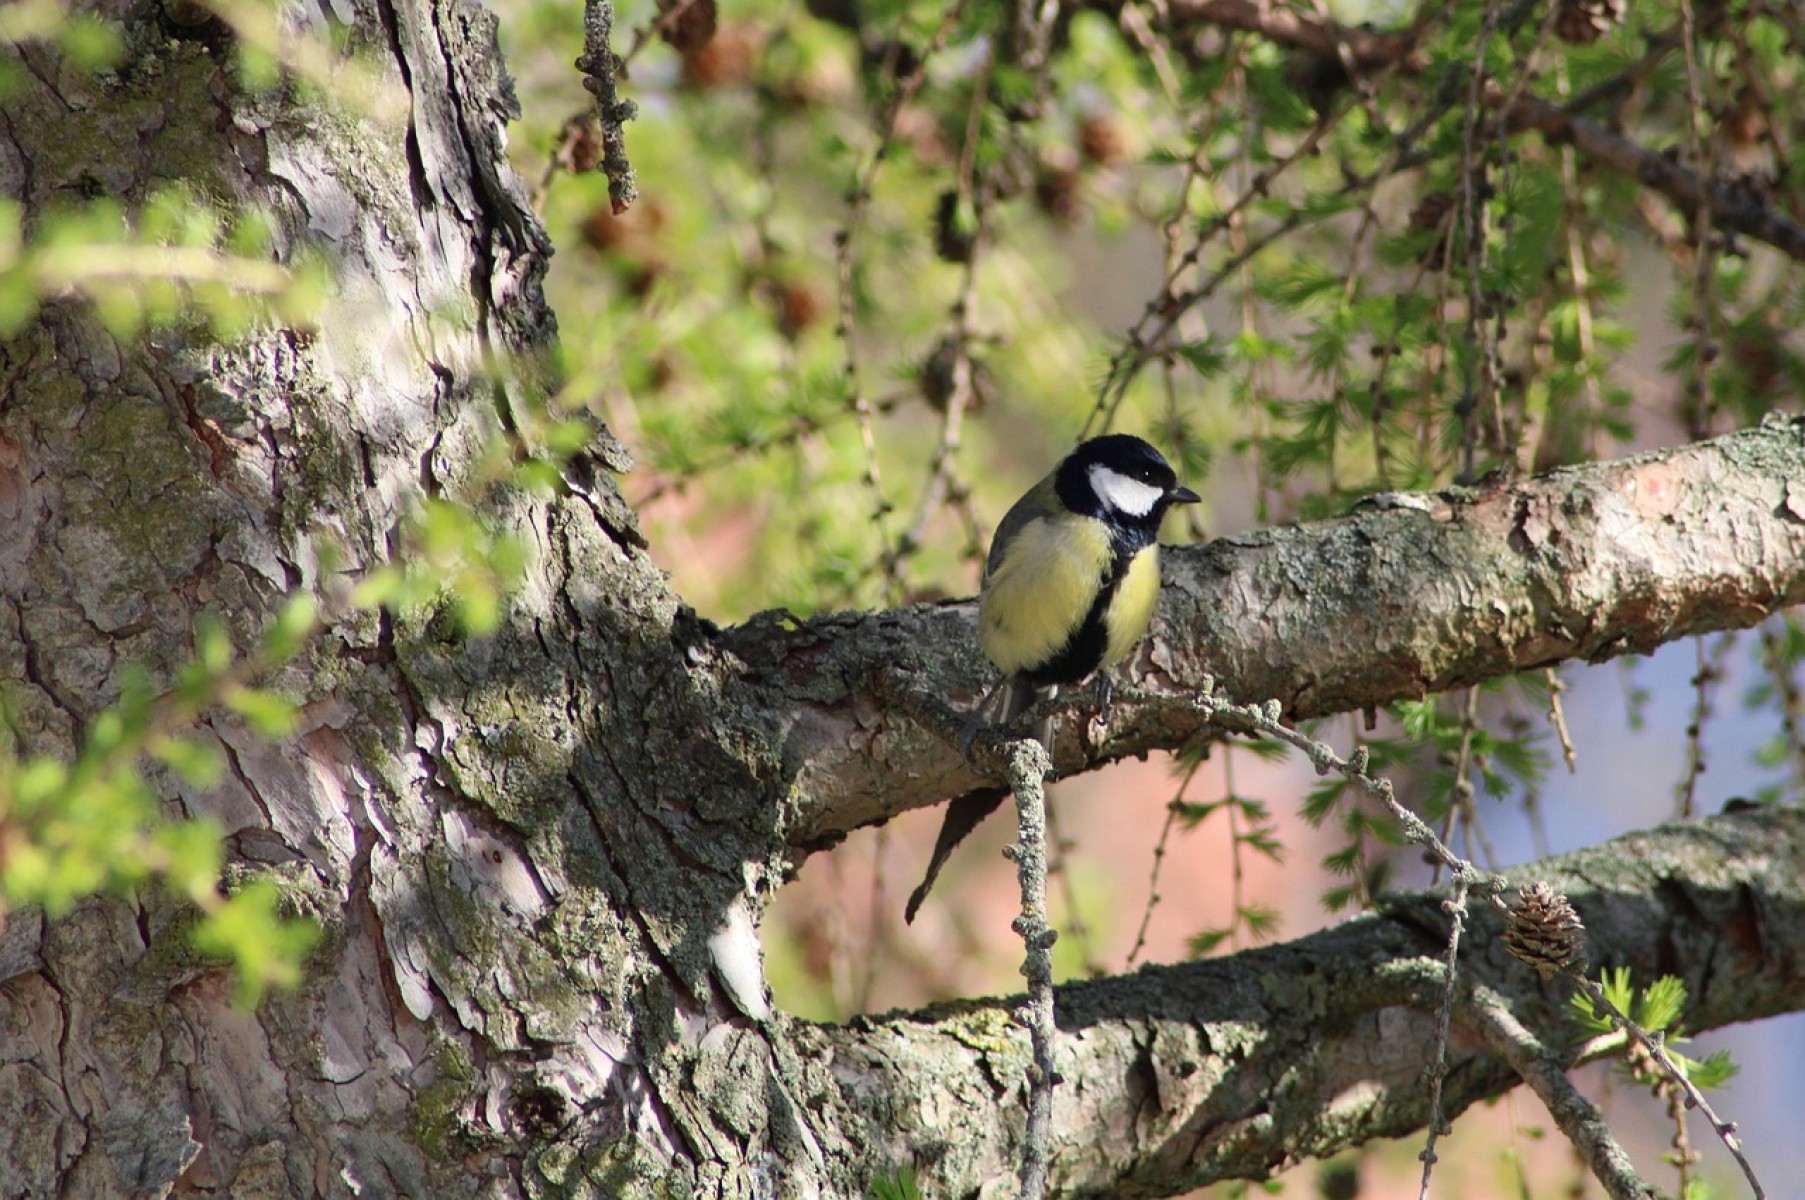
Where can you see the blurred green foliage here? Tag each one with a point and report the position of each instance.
(880, 277)
(178, 257)
(72, 829)
(174, 259)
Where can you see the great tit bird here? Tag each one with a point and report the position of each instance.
(1069, 588)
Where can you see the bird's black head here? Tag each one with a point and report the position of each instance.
(1120, 479)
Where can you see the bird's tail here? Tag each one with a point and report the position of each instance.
(962, 816)
(1007, 701)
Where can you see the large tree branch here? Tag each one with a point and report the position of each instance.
(1232, 1068)
(1367, 49)
(1731, 209)
(1435, 592)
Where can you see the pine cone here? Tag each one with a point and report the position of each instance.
(1582, 22)
(1544, 931)
(688, 25)
(1102, 140)
(1432, 213)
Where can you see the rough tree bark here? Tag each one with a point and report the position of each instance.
(538, 856)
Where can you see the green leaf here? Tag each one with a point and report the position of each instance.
(1661, 1004)
(212, 644)
(1192, 813)
(293, 625)
(900, 1186)
(1282, 105)
(1206, 942)
(1209, 358)
(1261, 922)
(1323, 798)
(1713, 1071)
(265, 949)
(271, 715)
(1264, 843)
(192, 857)
(1265, 749)
(1305, 285)
(199, 764)
(91, 44)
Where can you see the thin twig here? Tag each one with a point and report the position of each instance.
(1656, 1045)
(1265, 719)
(1146, 338)
(955, 353)
(800, 428)
(1237, 871)
(1027, 767)
(1456, 908)
(875, 927)
(1479, 396)
(1059, 866)
(1704, 258)
(1574, 211)
(598, 64)
(1710, 670)
(1460, 794)
(1597, 141)
(858, 200)
(1174, 806)
(667, 20)
(1490, 1016)
(1780, 668)
(1558, 718)
(1390, 53)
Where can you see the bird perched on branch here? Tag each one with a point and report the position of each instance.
(1069, 588)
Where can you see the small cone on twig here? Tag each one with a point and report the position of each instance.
(1582, 22)
(1544, 931)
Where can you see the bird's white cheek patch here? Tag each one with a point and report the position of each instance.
(1123, 494)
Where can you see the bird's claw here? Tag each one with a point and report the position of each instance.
(969, 734)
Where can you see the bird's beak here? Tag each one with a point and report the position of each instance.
(1183, 495)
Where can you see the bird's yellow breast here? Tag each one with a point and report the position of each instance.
(1037, 596)
(1127, 618)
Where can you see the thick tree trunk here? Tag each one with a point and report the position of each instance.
(539, 857)
(501, 838)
